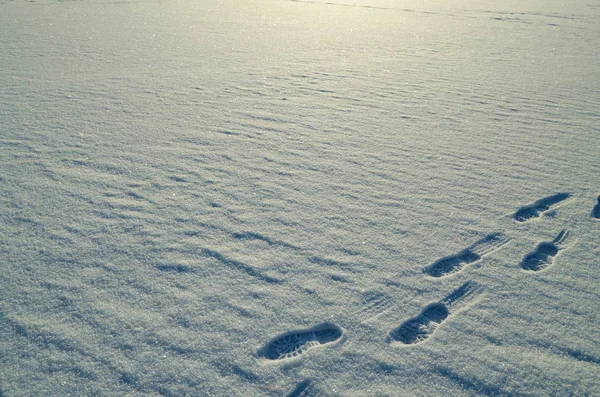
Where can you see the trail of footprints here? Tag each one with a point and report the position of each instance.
(418, 329)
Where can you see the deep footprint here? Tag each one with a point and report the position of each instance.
(295, 343)
(543, 255)
(455, 263)
(596, 210)
(534, 210)
(420, 328)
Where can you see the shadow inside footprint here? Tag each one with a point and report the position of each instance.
(302, 389)
(543, 255)
(534, 210)
(596, 210)
(455, 263)
(451, 264)
(293, 344)
(526, 213)
(420, 328)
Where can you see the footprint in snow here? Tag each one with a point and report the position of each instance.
(543, 256)
(455, 263)
(596, 210)
(295, 344)
(534, 210)
(421, 327)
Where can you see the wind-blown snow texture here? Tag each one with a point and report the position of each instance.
(188, 184)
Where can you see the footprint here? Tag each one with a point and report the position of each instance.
(534, 210)
(373, 304)
(418, 329)
(295, 343)
(596, 210)
(455, 263)
(543, 255)
(304, 389)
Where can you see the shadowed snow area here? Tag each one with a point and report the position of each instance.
(298, 198)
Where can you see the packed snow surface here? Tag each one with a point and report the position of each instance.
(300, 198)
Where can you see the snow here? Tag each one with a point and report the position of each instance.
(187, 186)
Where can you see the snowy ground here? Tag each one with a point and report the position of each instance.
(299, 198)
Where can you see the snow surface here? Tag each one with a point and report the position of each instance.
(251, 198)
